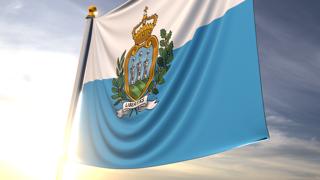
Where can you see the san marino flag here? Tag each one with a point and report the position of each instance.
(170, 80)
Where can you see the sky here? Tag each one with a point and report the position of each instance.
(39, 47)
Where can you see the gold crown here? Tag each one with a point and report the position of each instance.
(144, 32)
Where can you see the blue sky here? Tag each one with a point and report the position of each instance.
(39, 46)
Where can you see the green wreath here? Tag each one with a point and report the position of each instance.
(163, 65)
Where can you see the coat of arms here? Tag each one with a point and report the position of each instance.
(142, 69)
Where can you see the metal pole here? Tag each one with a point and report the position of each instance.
(76, 90)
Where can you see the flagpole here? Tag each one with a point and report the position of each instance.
(76, 89)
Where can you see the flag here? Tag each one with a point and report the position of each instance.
(168, 81)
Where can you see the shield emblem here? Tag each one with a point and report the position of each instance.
(139, 67)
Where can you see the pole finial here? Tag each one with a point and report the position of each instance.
(92, 11)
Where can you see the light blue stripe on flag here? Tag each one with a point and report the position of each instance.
(211, 102)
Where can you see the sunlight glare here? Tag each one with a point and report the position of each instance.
(35, 93)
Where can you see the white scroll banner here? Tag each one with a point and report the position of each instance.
(140, 104)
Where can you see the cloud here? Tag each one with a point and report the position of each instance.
(289, 59)
(20, 36)
(13, 7)
(42, 25)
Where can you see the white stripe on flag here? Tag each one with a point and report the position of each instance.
(112, 32)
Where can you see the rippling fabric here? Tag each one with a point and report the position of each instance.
(211, 102)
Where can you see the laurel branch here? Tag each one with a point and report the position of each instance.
(163, 62)
(118, 83)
